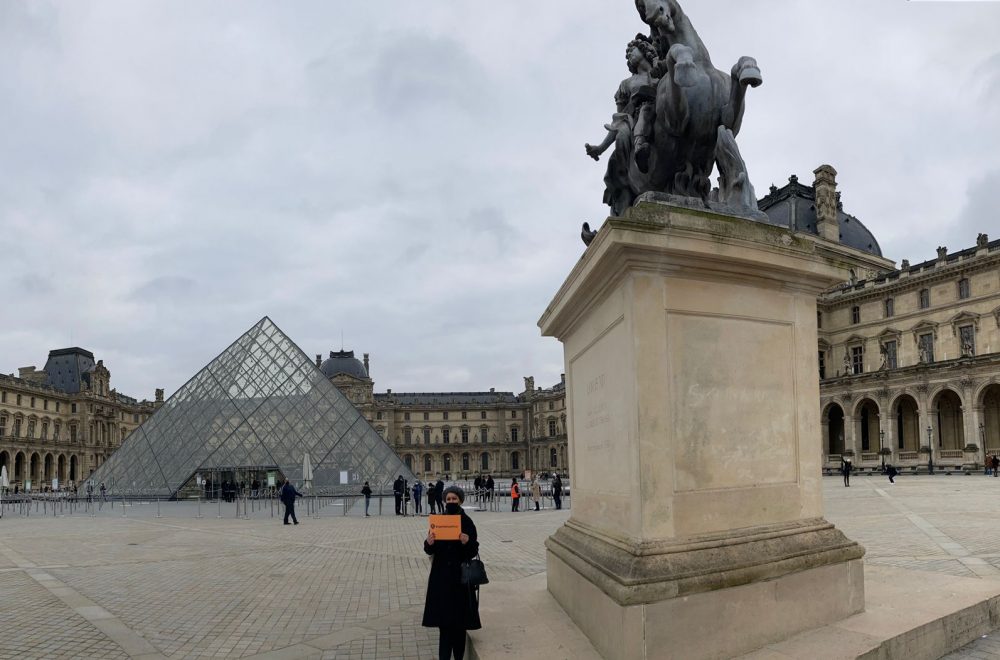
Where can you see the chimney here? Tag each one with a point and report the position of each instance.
(562, 378)
(319, 359)
(369, 373)
(825, 188)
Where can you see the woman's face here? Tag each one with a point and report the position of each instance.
(451, 498)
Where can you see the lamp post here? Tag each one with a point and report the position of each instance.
(930, 452)
(881, 442)
(982, 443)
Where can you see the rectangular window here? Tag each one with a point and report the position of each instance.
(407, 436)
(819, 319)
(464, 415)
(858, 359)
(446, 436)
(926, 348)
(72, 407)
(406, 417)
(967, 337)
(513, 434)
(135, 418)
(55, 432)
(484, 435)
(513, 414)
(427, 416)
(552, 428)
(378, 415)
(822, 364)
(45, 431)
(890, 307)
(925, 298)
(891, 355)
(45, 404)
(445, 415)
(17, 428)
(32, 402)
(57, 406)
(3, 426)
(3, 397)
(427, 436)
(964, 289)
(72, 433)
(855, 315)
(465, 435)
(482, 415)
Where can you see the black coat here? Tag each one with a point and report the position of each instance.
(450, 603)
(288, 494)
(439, 490)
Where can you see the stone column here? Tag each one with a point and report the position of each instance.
(697, 526)
(850, 437)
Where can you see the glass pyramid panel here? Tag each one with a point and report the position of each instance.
(262, 404)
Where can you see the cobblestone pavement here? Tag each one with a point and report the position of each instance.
(351, 587)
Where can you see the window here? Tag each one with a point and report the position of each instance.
(446, 436)
(553, 457)
(135, 418)
(57, 406)
(483, 435)
(855, 315)
(465, 415)
(3, 426)
(3, 397)
(819, 319)
(72, 432)
(409, 462)
(45, 430)
(45, 404)
(465, 462)
(822, 364)
(31, 429)
(444, 415)
(427, 463)
(967, 339)
(552, 428)
(18, 399)
(17, 427)
(427, 436)
(465, 435)
(513, 414)
(407, 436)
(513, 434)
(482, 415)
(72, 407)
(32, 402)
(858, 359)
(515, 461)
(891, 355)
(551, 405)
(484, 461)
(406, 417)
(447, 462)
(925, 298)
(890, 307)
(427, 416)
(964, 288)
(925, 347)
(55, 432)
(378, 415)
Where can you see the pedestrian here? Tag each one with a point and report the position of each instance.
(996, 464)
(366, 490)
(490, 487)
(845, 469)
(988, 464)
(536, 493)
(515, 494)
(104, 493)
(431, 498)
(451, 606)
(397, 493)
(891, 471)
(478, 487)
(439, 495)
(557, 491)
(418, 490)
(288, 495)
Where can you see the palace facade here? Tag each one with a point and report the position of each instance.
(458, 435)
(63, 421)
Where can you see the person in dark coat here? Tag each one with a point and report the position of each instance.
(439, 495)
(288, 495)
(450, 605)
(431, 497)
(490, 487)
(892, 472)
(845, 469)
(418, 491)
(366, 490)
(557, 491)
(995, 462)
(397, 491)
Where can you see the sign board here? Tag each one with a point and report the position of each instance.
(55, 484)
(527, 475)
(446, 528)
(198, 480)
(344, 477)
(270, 480)
(27, 485)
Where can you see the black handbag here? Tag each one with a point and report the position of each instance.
(474, 572)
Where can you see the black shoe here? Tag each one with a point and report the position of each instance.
(288, 523)
(296, 522)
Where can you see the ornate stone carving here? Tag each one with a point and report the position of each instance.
(983, 240)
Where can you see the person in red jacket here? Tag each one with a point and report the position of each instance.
(515, 494)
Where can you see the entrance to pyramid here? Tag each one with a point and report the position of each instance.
(260, 409)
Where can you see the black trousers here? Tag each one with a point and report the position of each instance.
(399, 504)
(514, 502)
(452, 641)
(558, 501)
(290, 511)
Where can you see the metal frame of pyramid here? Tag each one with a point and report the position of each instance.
(260, 404)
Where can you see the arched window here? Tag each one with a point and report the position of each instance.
(484, 461)
(553, 457)
(515, 461)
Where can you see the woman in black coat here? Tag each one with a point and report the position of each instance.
(452, 606)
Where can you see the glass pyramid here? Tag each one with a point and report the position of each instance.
(257, 408)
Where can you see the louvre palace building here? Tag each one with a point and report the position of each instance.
(908, 362)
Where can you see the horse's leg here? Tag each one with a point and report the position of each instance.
(745, 73)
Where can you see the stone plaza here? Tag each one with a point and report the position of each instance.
(343, 586)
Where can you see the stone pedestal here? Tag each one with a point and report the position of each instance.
(697, 526)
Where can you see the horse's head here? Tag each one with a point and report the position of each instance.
(659, 14)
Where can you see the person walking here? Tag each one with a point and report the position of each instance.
(845, 469)
(431, 498)
(104, 493)
(515, 494)
(418, 490)
(478, 487)
(557, 491)
(988, 464)
(288, 495)
(995, 462)
(451, 606)
(490, 487)
(892, 472)
(536, 493)
(366, 490)
(439, 495)
(397, 492)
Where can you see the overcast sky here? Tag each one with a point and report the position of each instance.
(412, 174)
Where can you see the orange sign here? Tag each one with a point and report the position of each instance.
(446, 528)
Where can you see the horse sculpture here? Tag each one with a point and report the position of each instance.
(695, 104)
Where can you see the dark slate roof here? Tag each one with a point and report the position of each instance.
(448, 398)
(343, 362)
(794, 206)
(67, 368)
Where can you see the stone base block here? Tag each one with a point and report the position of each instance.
(721, 623)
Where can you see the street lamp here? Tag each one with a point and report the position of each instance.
(930, 452)
(881, 441)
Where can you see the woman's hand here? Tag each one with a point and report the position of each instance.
(464, 538)
(430, 538)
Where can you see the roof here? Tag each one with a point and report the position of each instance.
(67, 368)
(452, 398)
(794, 206)
(343, 362)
